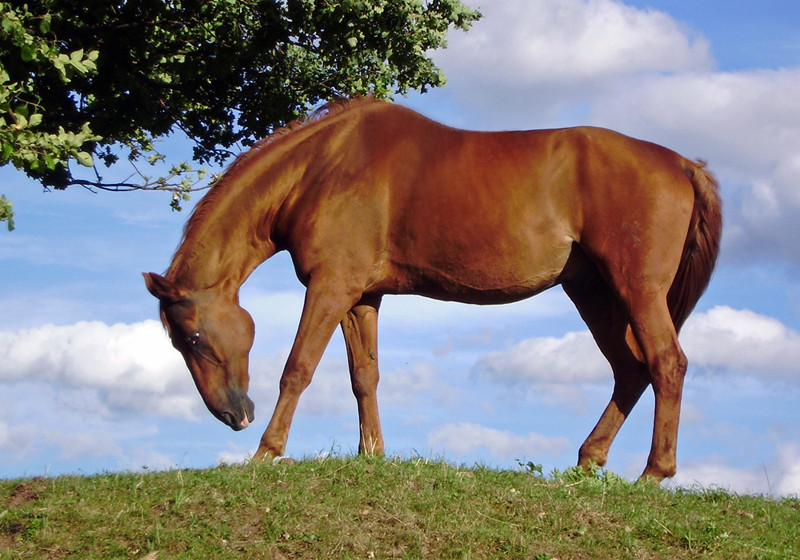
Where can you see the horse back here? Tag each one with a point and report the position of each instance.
(408, 205)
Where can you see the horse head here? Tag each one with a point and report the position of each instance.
(214, 335)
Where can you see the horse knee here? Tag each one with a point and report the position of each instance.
(365, 381)
(295, 380)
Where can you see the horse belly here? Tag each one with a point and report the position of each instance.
(493, 269)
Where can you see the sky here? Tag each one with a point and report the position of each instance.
(90, 383)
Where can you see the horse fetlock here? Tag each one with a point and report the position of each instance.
(268, 451)
(592, 453)
(262, 455)
(659, 468)
(371, 446)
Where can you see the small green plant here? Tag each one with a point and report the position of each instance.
(531, 468)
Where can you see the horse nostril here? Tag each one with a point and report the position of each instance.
(228, 419)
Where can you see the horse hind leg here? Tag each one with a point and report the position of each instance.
(608, 320)
(666, 364)
(652, 355)
(360, 329)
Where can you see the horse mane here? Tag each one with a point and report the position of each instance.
(217, 189)
(329, 109)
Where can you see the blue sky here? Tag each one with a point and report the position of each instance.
(89, 382)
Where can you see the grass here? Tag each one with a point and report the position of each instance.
(358, 508)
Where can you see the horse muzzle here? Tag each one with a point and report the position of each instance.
(240, 414)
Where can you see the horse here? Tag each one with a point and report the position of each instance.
(371, 198)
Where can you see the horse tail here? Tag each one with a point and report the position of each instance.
(701, 247)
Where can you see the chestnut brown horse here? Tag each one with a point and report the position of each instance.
(370, 198)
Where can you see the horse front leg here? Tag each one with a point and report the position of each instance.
(322, 312)
(360, 329)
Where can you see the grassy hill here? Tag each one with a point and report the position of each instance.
(356, 508)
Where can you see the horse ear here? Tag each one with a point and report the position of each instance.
(162, 288)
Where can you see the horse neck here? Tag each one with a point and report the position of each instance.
(229, 236)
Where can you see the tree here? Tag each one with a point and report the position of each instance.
(91, 81)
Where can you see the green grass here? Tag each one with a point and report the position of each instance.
(357, 508)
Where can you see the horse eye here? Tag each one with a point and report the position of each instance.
(193, 339)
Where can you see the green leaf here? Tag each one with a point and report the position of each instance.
(79, 66)
(7, 212)
(27, 53)
(58, 64)
(44, 25)
(84, 158)
(22, 121)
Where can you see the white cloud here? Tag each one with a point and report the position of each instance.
(570, 359)
(117, 368)
(746, 119)
(743, 341)
(535, 41)
(464, 437)
(528, 53)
